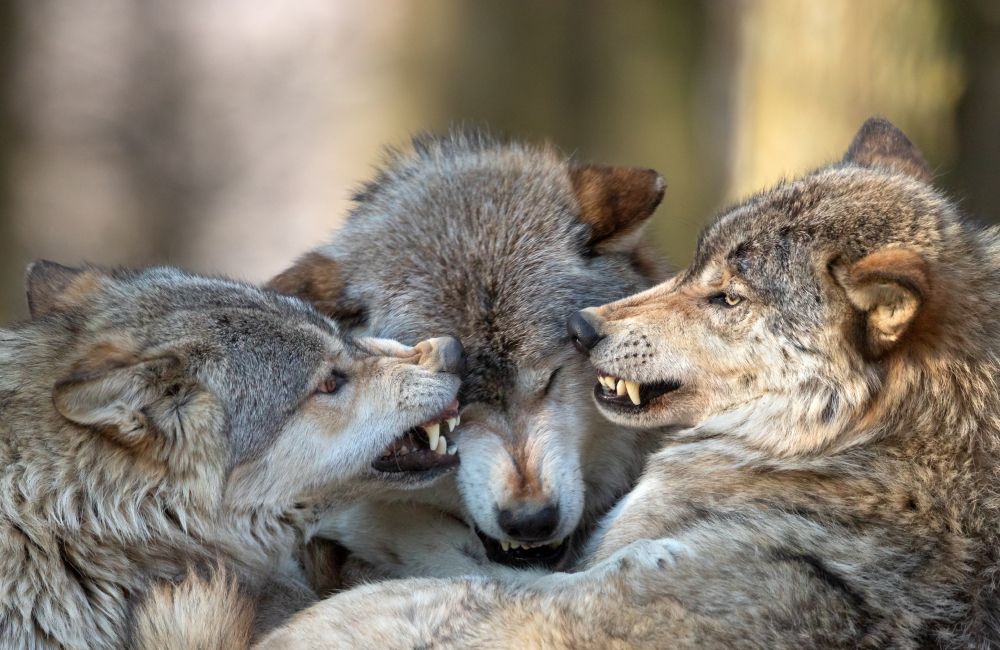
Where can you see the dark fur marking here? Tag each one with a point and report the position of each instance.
(830, 410)
(833, 580)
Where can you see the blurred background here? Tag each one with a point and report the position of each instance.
(226, 135)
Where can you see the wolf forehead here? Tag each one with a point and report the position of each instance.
(778, 237)
(470, 236)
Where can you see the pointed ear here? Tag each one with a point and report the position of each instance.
(889, 287)
(880, 144)
(615, 202)
(52, 286)
(148, 405)
(317, 279)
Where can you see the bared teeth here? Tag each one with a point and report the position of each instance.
(632, 388)
(452, 423)
(452, 450)
(620, 387)
(433, 434)
(505, 546)
(442, 446)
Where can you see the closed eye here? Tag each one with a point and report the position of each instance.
(332, 383)
(551, 381)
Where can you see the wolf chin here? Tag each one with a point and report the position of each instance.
(157, 426)
(494, 243)
(827, 371)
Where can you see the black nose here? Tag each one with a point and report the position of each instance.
(529, 525)
(585, 336)
(452, 356)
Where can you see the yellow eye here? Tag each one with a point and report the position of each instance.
(724, 299)
(732, 300)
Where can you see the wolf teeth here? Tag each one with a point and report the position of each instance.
(620, 388)
(505, 546)
(452, 423)
(633, 392)
(433, 433)
(442, 445)
(452, 450)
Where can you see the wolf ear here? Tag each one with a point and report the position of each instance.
(889, 287)
(615, 202)
(880, 144)
(317, 279)
(148, 405)
(52, 286)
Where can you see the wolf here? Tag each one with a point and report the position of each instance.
(495, 243)
(155, 422)
(825, 371)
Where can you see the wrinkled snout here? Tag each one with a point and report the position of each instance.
(441, 354)
(584, 329)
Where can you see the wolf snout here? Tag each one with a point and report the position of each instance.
(529, 524)
(583, 329)
(442, 354)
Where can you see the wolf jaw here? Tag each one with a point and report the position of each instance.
(423, 448)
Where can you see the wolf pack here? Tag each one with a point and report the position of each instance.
(485, 415)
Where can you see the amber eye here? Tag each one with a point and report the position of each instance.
(726, 299)
(332, 383)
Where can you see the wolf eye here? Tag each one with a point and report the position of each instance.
(725, 299)
(551, 381)
(332, 383)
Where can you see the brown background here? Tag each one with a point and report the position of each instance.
(225, 135)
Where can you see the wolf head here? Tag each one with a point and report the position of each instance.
(206, 380)
(496, 244)
(792, 327)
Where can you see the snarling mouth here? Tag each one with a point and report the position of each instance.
(631, 396)
(423, 447)
(521, 555)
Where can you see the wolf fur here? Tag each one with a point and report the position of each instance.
(831, 475)
(155, 423)
(494, 243)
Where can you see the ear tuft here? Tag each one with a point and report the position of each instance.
(615, 202)
(51, 286)
(317, 279)
(889, 287)
(880, 144)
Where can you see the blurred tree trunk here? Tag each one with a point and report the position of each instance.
(976, 179)
(809, 73)
(10, 271)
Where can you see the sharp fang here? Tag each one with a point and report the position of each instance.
(505, 546)
(442, 445)
(609, 383)
(452, 450)
(633, 392)
(452, 423)
(620, 388)
(433, 431)
(458, 419)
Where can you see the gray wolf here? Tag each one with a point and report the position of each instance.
(826, 371)
(154, 423)
(494, 243)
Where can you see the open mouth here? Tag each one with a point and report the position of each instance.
(522, 555)
(629, 396)
(423, 448)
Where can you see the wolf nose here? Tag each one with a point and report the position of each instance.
(529, 525)
(584, 334)
(443, 354)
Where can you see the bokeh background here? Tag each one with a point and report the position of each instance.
(226, 135)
